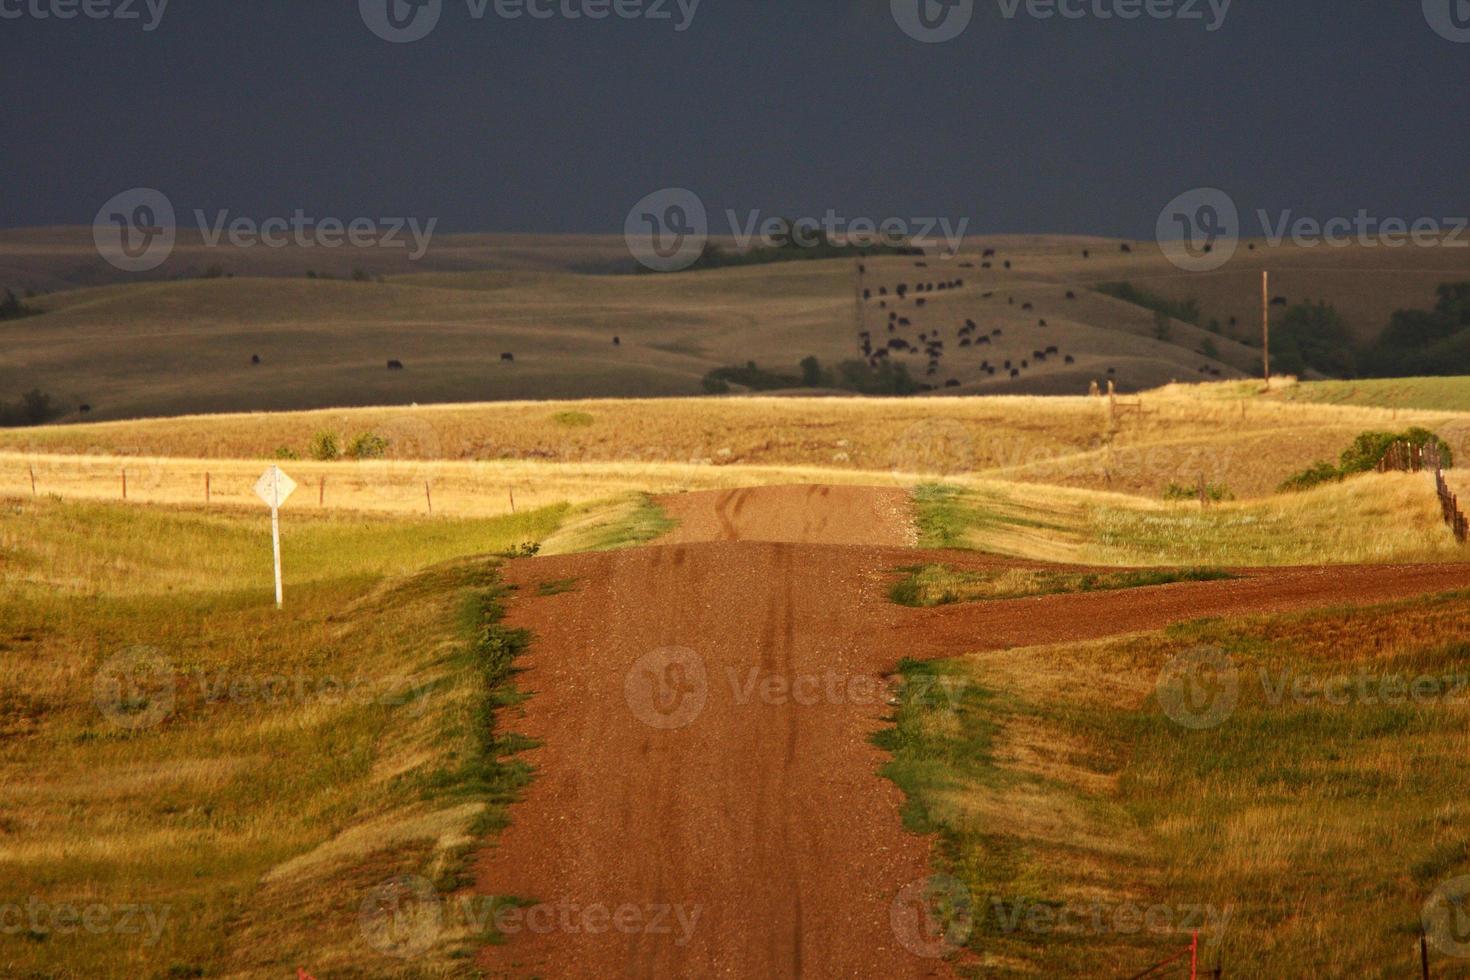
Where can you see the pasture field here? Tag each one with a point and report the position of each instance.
(186, 344)
(257, 773)
(1300, 831)
(250, 779)
(1226, 433)
(1433, 394)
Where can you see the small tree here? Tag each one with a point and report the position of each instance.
(1163, 326)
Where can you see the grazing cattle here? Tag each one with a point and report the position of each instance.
(997, 332)
(892, 317)
(1071, 295)
(1252, 246)
(965, 342)
(1215, 372)
(862, 269)
(1015, 373)
(921, 302)
(903, 321)
(1278, 301)
(1070, 359)
(969, 324)
(1026, 307)
(254, 358)
(1112, 370)
(1025, 364)
(1234, 321)
(1041, 323)
(983, 340)
(85, 409)
(1086, 254)
(943, 286)
(1053, 349)
(952, 383)
(867, 294)
(989, 253)
(1008, 263)
(395, 365)
(617, 341)
(882, 290)
(967, 265)
(985, 265)
(986, 295)
(1125, 247)
(883, 304)
(1008, 365)
(990, 371)
(508, 357)
(921, 265)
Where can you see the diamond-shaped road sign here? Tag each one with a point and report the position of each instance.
(274, 487)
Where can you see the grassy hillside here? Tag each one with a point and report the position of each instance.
(1226, 433)
(1436, 394)
(1091, 834)
(247, 780)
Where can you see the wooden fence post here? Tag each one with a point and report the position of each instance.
(125, 482)
(512, 500)
(429, 497)
(206, 486)
(32, 468)
(321, 491)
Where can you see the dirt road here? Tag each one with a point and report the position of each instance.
(706, 800)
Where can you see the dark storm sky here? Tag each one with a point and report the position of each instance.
(265, 106)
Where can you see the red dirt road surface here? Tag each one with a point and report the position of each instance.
(706, 800)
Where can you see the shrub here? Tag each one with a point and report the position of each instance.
(324, 447)
(1363, 456)
(286, 452)
(13, 309)
(1216, 492)
(573, 420)
(34, 408)
(367, 445)
(1315, 475)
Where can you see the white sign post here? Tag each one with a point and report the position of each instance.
(274, 487)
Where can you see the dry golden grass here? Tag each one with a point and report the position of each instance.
(265, 771)
(1221, 432)
(1313, 831)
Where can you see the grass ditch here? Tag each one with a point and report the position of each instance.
(170, 741)
(923, 586)
(1301, 821)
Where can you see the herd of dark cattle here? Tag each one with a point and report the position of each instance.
(931, 342)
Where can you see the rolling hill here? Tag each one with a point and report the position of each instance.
(187, 345)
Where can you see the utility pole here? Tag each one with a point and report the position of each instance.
(1266, 323)
(861, 306)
